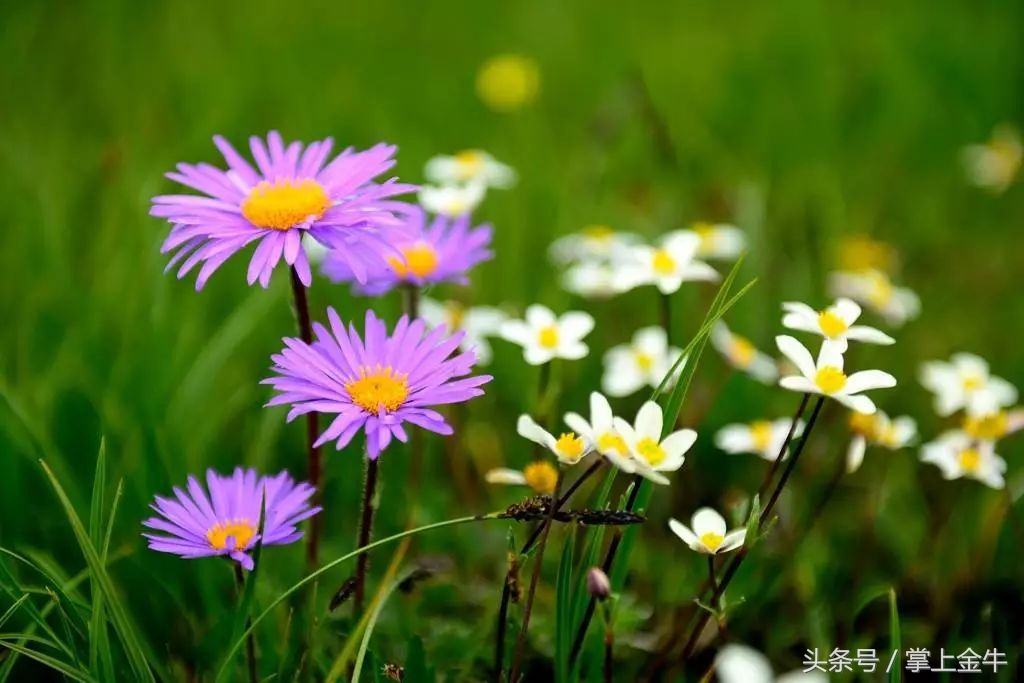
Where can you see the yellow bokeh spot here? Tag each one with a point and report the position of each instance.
(742, 352)
(610, 441)
(865, 425)
(651, 451)
(419, 260)
(570, 446)
(707, 234)
(830, 379)
(455, 314)
(972, 382)
(880, 290)
(378, 390)
(508, 82)
(860, 253)
(831, 324)
(239, 531)
(987, 427)
(711, 540)
(761, 434)
(469, 163)
(598, 233)
(541, 476)
(284, 204)
(970, 460)
(548, 337)
(663, 263)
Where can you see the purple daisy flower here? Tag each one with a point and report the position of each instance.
(377, 383)
(227, 522)
(293, 190)
(442, 251)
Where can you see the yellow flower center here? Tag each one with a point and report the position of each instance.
(970, 460)
(239, 531)
(548, 337)
(881, 291)
(469, 162)
(378, 390)
(761, 434)
(541, 476)
(861, 253)
(888, 437)
(610, 441)
(987, 427)
(865, 425)
(420, 260)
(972, 382)
(663, 263)
(711, 540)
(285, 203)
(743, 351)
(651, 451)
(598, 233)
(570, 446)
(830, 379)
(455, 313)
(644, 360)
(706, 232)
(831, 324)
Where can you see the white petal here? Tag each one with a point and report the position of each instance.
(651, 340)
(576, 324)
(762, 368)
(855, 453)
(505, 475)
(600, 412)
(649, 421)
(831, 353)
(684, 533)
(869, 335)
(699, 271)
(534, 354)
(860, 403)
(733, 539)
(538, 316)
(573, 350)
(707, 521)
(798, 383)
(742, 664)
(847, 310)
(527, 428)
(798, 353)
(576, 423)
(795, 321)
(865, 380)
(735, 439)
(517, 332)
(678, 443)
(622, 380)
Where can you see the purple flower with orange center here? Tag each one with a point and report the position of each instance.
(292, 191)
(226, 522)
(441, 250)
(376, 383)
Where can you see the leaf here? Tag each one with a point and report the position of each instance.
(563, 607)
(101, 580)
(894, 635)
(753, 523)
(100, 661)
(57, 665)
(378, 607)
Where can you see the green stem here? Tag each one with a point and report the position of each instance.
(334, 563)
(365, 528)
(250, 641)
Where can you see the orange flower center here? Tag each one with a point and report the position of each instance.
(284, 204)
(378, 390)
(541, 476)
(239, 531)
(419, 260)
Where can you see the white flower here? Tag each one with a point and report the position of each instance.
(879, 430)
(469, 166)
(651, 453)
(315, 251)
(761, 437)
(994, 164)
(742, 664)
(667, 266)
(874, 289)
(591, 280)
(826, 376)
(600, 431)
(986, 420)
(452, 200)
(541, 476)
(958, 455)
(708, 534)
(643, 362)
(718, 241)
(743, 355)
(835, 323)
(477, 322)
(964, 382)
(544, 337)
(592, 243)
(568, 447)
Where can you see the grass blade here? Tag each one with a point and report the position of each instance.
(894, 635)
(100, 579)
(47, 660)
(564, 622)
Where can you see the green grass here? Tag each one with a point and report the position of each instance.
(802, 121)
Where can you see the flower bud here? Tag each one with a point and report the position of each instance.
(598, 584)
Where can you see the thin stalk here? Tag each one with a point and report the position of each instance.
(365, 528)
(312, 429)
(531, 593)
(609, 646)
(609, 560)
(506, 592)
(250, 642)
(774, 467)
(666, 316)
(734, 566)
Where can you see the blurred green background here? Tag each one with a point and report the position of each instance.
(802, 121)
